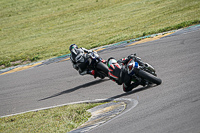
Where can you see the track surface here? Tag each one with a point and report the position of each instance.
(174, 106)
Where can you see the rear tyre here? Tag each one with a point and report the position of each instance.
(102, 67)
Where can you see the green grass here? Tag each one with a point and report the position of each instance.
(40, 29)
(60, 119)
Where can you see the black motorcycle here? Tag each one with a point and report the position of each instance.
(142, 72)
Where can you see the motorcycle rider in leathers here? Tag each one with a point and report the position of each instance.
(121, 72)
(79, 57)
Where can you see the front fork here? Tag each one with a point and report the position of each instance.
(145, 66)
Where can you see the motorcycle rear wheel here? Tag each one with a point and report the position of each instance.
(102, 67)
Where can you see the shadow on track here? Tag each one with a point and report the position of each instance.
(132, 92)
(76, 88)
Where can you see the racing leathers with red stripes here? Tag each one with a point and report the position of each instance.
(119, 74)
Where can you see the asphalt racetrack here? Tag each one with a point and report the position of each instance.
(173, 106)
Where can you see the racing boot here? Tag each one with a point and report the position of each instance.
(127, 88)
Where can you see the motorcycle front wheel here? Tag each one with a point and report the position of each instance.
(149, 77)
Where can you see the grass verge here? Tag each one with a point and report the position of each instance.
(59, 119)
(40, 29)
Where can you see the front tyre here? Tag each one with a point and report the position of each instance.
(149, 77)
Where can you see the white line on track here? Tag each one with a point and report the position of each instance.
(86, 101)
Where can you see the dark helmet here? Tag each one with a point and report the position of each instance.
(77, 55)
(72, 46)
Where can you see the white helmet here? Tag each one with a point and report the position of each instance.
(111, 61)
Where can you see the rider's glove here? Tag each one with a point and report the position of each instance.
(131, 56)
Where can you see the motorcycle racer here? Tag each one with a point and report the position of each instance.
(79, 58)
(121, 72)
